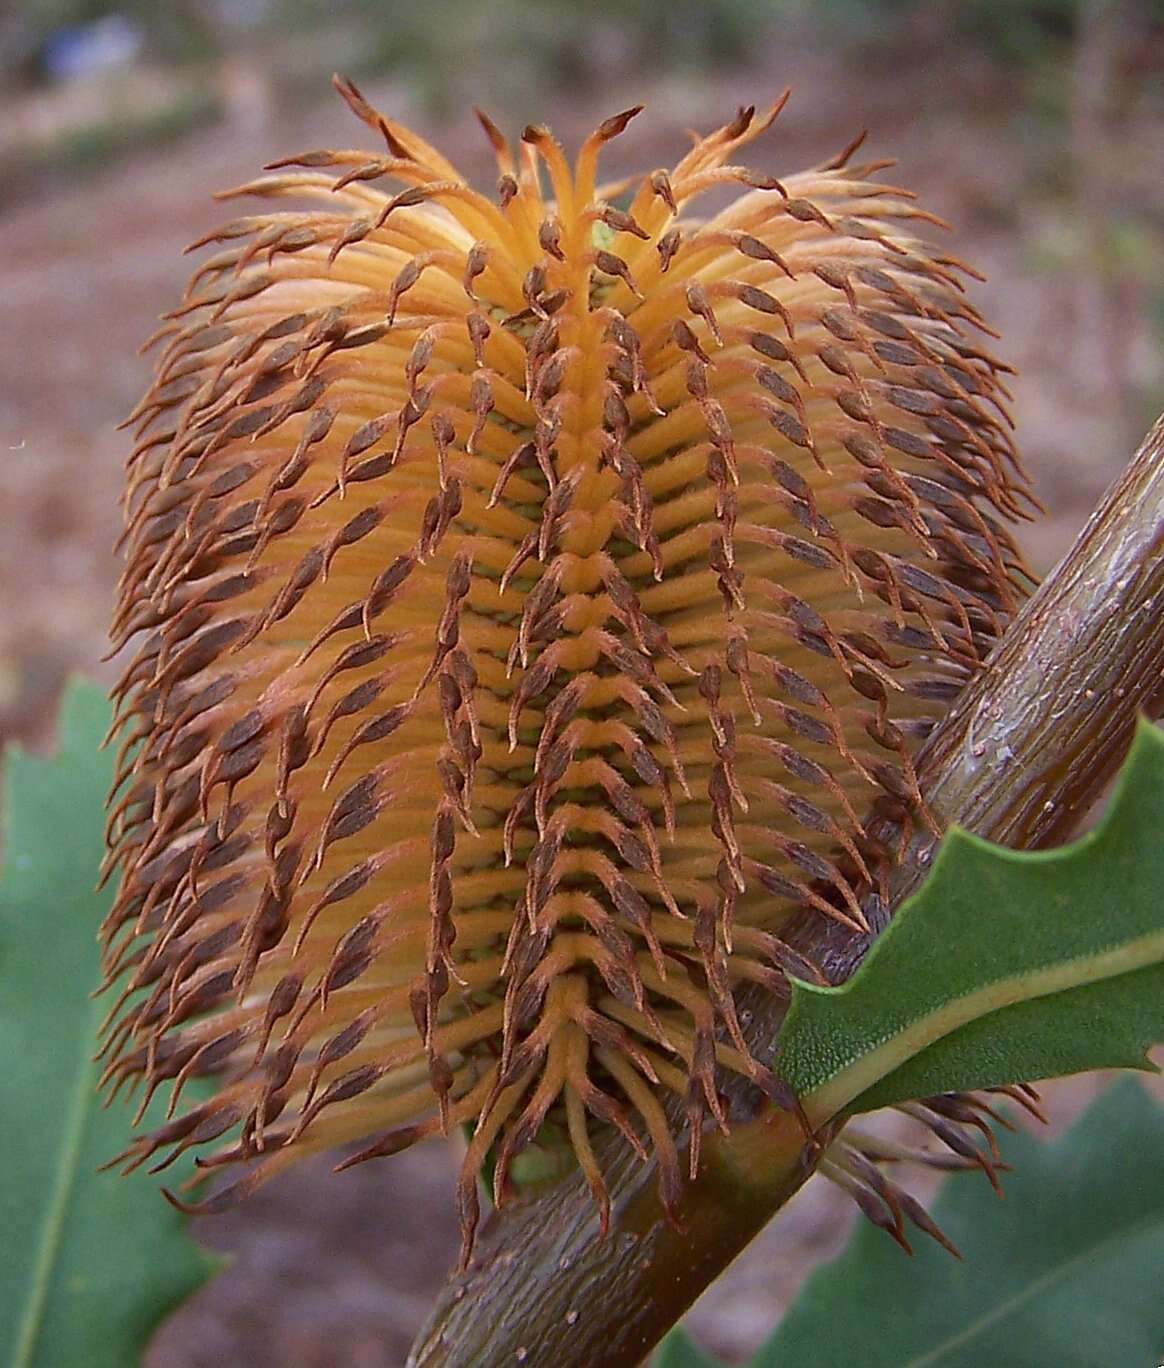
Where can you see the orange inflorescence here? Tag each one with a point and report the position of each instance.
(533, 598)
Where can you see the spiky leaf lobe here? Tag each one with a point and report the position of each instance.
(1006, 966)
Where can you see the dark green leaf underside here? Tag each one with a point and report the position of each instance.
(1066, 1272)
(1063, 1273)
(91, 1261)
(679, 1351)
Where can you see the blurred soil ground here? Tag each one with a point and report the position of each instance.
(341, 1271)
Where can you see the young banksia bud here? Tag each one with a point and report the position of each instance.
(533, 597)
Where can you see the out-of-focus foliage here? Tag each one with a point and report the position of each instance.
(573, 41)
(445, 42)
(174, 31)
(92, 1260)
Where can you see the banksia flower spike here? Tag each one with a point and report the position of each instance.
(533, 597)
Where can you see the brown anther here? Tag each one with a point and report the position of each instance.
(616, 124)
(700, 305)
(686, 339)
(550, 238)
(667, 246)
(611, 264)
(478, 328)
(404, 281)
(660, 184)
(622, 222)
(476, 260)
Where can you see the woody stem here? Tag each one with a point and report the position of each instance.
(1029, 745)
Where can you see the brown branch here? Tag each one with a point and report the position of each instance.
(1031, 742)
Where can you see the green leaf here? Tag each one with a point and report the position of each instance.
(91, 1261)
(1065, 1272)
(678, 1350)
(1005, 966)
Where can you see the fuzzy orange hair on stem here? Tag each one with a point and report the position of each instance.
(532, 596)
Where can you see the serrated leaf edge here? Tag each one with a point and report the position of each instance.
(847, 1085)
(850, 1081)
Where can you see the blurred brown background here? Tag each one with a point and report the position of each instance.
(1035, 126)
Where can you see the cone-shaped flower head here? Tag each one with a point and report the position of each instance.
(533, 596)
